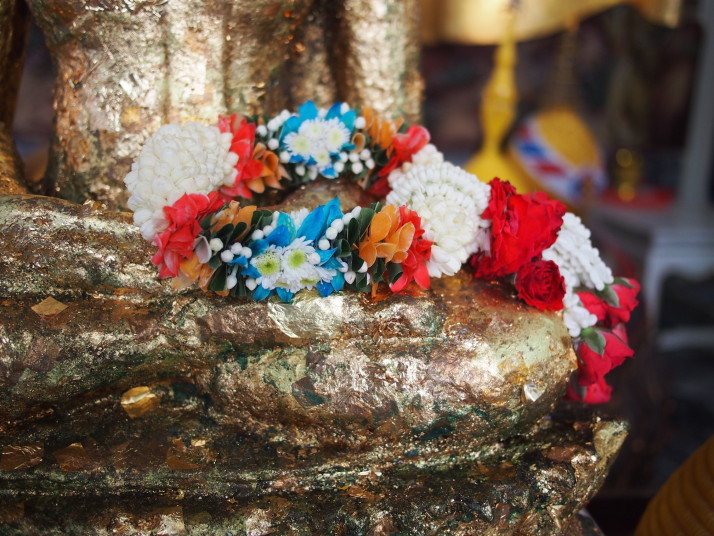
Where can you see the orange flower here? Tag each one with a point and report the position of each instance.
(386, 238)
(380, 130)
(233, 214)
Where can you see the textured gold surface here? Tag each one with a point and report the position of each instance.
(529, 485)
(11, 177)
(344, 371)
(14, 20)
(125, 68)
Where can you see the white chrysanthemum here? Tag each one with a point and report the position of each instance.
(298, 143)
(313, 129)
(300, 268)
(336, 135)
(178, 159)
(581, 266)
(299, 216)
(450, 202)
(269, 264)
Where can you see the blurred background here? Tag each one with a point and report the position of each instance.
(609, 106)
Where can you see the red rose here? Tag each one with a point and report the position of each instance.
(184, 225)
(593, 304)
(614, 305)
(522, 226)
(626, 291)
(243, 144)
(597, 393)
(414, 266)
(404, 146)
(540, 284)
(599, 352)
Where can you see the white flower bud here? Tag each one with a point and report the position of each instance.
(344, 108)
(365, 154)
(364, 267)
(285, 157)
(324, 244)
(338, 225)
(246, 252)
(300, 170)
(216, 244)
(350, 277)
(356, 211)
(339, 167)
(343, 157)
(260, 130)
(331, 233)
(268, 229)
(257, 234)
(312, 173)
(314, 258)
(357, 168)
(347, 218)
(273, 144)
(353, 157)
(250, 284)
(231, 281)
(369, 163)
(226, 256)
(272, 125)
(360, 122)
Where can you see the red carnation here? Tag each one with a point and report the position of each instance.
(599, 352)
(184, 225)
(419, 253)
(540, 284)
(404, 146)
(243, 144)
(597, 393)
(522, 226)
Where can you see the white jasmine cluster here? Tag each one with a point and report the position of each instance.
(450, 202)
(581, 266)
(177, 160)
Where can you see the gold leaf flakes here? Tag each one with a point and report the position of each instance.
(138, 401)
(49, 307)
(16, 457)
(72, 457)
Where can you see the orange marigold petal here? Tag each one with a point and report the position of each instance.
(257, 185)
(380, 226)
(367, 252)
(386, 250)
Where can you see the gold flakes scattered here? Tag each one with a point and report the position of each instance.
(138, 401)
(72, 458)
(177, 457)
(16, 457)
(49, 307)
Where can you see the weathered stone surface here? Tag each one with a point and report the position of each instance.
(527, 485)
(465, 359)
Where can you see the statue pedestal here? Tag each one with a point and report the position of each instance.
(177, 472)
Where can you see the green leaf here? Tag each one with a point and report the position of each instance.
(218, 283)
(344, 248)
(594, 339)
(623, 282)
(364, 219)
(353, 233)
(206, 222)
(224, 232)
(361, 283)
(378, 269)
(610, 296)
(215, 262)
(237, 231)
(395, 271)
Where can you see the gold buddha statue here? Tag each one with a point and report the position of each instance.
(179, 412)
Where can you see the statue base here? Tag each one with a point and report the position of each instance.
(182, 476)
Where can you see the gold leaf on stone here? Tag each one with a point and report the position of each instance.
(176, 457)
(138, 401)
(49, 307)
(72, 457)
(16, 457)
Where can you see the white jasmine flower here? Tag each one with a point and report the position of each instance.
(178, 159)
(450, 202)
(575, 255)
(581, 266)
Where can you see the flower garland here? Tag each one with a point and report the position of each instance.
(435, 218)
